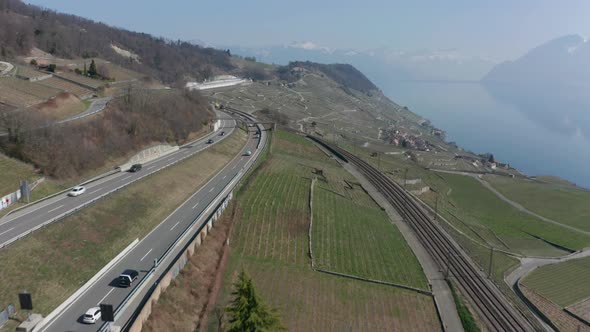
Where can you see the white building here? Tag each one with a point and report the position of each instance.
(217, 82)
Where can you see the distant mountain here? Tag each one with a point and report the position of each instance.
(381, 65)
(549, 84)
(565, 60)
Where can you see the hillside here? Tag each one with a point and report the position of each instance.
(24, 26)
(344, 74)
(561, 60)
(549, 84)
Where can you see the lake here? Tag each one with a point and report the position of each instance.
(538, 136)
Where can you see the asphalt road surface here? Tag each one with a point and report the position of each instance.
(20, 222)
(154, 245)
(97, 105)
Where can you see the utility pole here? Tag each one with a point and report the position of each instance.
(334, 132)
(436, 207)
(491, 260)
(405, 177)
(447, 268)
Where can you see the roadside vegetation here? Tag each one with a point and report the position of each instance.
(467, 319)
(64, 255)
(130, 123)
(270, 242)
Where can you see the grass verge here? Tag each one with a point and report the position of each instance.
(467, 319)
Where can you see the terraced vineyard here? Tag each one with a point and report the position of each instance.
(564, 283)
(17, 92)
(81, 79)
(66, 86)
(270, 241)
(360, 240)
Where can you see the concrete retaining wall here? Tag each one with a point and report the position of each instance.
(149, 154)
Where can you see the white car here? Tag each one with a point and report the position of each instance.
(92, 315)
(77, 191)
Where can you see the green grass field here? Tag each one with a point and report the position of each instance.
(564, 283)
(54, 262)
(11, 172)
(360, 240)
(478, 211)
(566, 205)
(270, 241)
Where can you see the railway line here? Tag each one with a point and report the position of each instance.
(491, 305)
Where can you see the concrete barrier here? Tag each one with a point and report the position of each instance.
(149, 154)
(68, 303)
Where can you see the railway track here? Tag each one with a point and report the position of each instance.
(491, 305)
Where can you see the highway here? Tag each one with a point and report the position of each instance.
(21, 222)
(154, 245)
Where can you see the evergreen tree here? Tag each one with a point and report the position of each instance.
(92, 70)
(247, 312)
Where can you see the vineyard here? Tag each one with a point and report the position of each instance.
(359, 240)
(480, 213)
(17, 92)
(564, 283)
(81, 79)
(270, 241)
(66, 86)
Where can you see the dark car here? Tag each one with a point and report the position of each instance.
(135, 168)
(127, 277)
(222, 133)
(210, 141)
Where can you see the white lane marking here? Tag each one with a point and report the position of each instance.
(6, 231)
(196, 205)
(144, 256)
(175, 225)
(99, 302)
(210, 190)
(223, 178)
(236, 165)
(55, 208)
(125, 178)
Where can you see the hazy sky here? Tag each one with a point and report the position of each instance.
(497, 29)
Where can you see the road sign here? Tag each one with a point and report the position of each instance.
(106, 312)
(26, 302)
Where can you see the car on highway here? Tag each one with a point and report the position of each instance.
(77, 191)
(127, 277)
(248, 153)
(92, 315)
(222, 133)
(135, 168)
(210, 141)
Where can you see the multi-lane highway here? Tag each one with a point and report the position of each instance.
(153, 246)
(21, 222)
